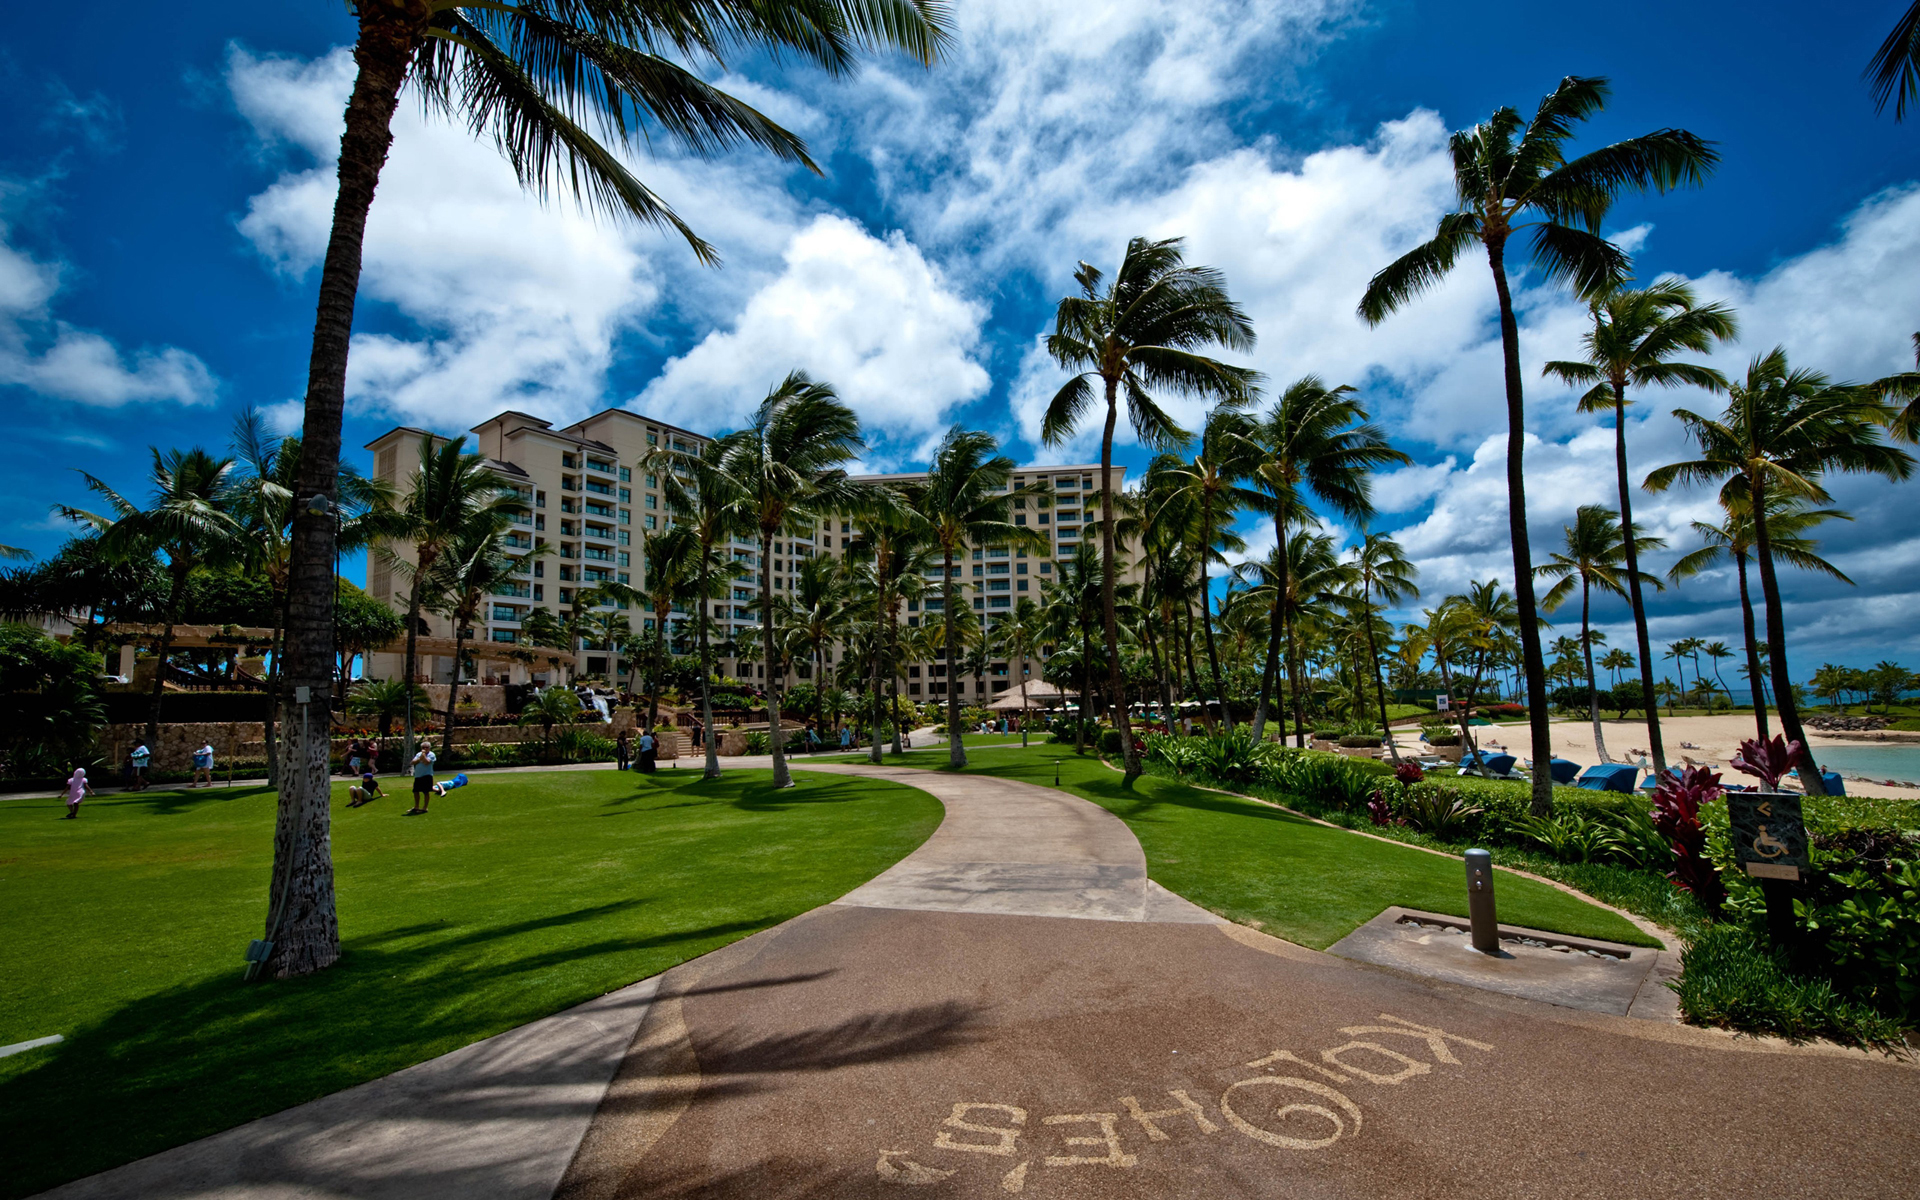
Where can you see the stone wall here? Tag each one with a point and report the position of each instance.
(490, 698)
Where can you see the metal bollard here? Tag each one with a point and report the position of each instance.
(1486, 926)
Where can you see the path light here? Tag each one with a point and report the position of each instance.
(1486, 927)
(1056, 772)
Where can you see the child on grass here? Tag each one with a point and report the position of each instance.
(78, 789)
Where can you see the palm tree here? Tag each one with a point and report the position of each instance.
(1678, 653)
(1617, 661)
(549, 707)
(1715, 651)
(1595, 557)
(1788, 519)
(1895, 69)
(1782, 430)
(1634, 335)
(1505, 186)
(1020, 636)
(1070, 608)
(819, 613)
(543, 629)
(469, 572)
(966, 503)
(385, 699)
(188, 519)
(536, 77)
(1382, 566)
(1302, 580)
(1142, 334)
(786, 470)
(896, 553)
(702, 498)
(452, 497)
(674, 563)
(1209, 491)
(1904, 385)
(1483, 620)
(1318, 443)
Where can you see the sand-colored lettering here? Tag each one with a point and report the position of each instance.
(1409, 1067)
(1189, 1107)
(906, 1172)
(1289, 1056)
(1286, 1111)
(1109, 1137)
(1015, 1179)
(1436, 1039)
(958, 1120)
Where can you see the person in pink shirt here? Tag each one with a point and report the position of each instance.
(78, 789)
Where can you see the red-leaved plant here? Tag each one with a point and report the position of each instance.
(1769, 761)
(1676, 815)
(1409, 773)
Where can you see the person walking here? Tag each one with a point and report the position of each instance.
(846, 737)
(646, 751)
(357, 756)
(203, 765)
(140, 758)
(422, 781)
(699, 736)
(78, 789)
(623, 750)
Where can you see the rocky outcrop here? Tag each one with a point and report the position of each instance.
(1833, 724)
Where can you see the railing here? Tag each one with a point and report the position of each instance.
(594, 552)
(594, 464)
(512, 589)
(599, 510)
(605, 489)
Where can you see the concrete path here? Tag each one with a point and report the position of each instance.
(1015, 1008)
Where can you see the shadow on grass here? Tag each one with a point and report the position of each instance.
(206, 1056)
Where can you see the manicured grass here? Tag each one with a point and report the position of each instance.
(516, 897)
(1294, 878)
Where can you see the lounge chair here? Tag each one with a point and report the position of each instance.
(1563, 769)
(1490, 766)
(1836, 786)
(1609, 777)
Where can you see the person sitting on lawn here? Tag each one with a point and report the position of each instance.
(422, 781)
(366, 792)
(78, 789)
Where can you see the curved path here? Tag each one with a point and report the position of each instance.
(1015, 1008)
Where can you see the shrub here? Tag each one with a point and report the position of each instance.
(1409, 773)
(1572, 837)
(1109, 741)
(1356, 741)
(759, 741)
(1676, 814)
(1437, 809)
(1503, 712)
(1729, 977)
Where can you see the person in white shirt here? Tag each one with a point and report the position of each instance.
(203, 765)
(422, 781)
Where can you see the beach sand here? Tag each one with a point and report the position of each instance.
(1709, 741)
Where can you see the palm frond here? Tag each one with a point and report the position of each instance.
(1419, 269)
(1895, 69)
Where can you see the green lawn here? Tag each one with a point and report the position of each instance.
(1294, 878)
(518, 896)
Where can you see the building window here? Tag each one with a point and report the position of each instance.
(997, 585)
(1020, 569)
(539, 590)
(1066, 481)
(539, 570)
(1043, 518)
(625, 578)
(978, 603)
(503, 635)
(997, 602)
(1023, 585)
(653, 439)
(626, 475)
(1019, 518)
(626, 495)
(539, 499)
(652, 500)
(649, 520)
(566, 595)
(913, 672)
(1000, 568)
(626, 539)
(978, 572)
(626, 560)
(913, 606)
(1046, 568)
(913, 689)
(626, 516)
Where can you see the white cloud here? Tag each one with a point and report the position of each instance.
(870, 316)
(61, 361)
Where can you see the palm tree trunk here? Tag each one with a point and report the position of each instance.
(1756, 681)
(1193, 672)
(1269, 670)
(1023, 701)
(782, 778)
(956, 751)
(1086, 687)
(1122, 719)
(1295, 683)
(706, 670)
(1656, 746)
(1783, 701)
(1535, 664)
(453, 684)
(1593, 689)
(414, 604)
(175, 586)
(893, 674)
(1164, 664)
(1206, 627)
(1379, 680)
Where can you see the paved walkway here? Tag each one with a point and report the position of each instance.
(1015, 1008)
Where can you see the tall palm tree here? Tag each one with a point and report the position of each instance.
(819, 612)
(702, 498)
(676, 565)
(1142, 333)
(787, 469)
(1210, 491)
(1895, 69)
(1615, 662)
(1020, 636)
(1788, 519)
(966, 502)
(1903, 385)
(1783, 429)
(1595, 557)
(465, 576)
(896, 550)
(1316, 443)
(1635, 333)
(1381, 567)
(1303, 588)
(1070, 609)
(1715, 651)
(188, 518)
(451, 495)
(1483, 622)
(537, 76)
(1505, 186)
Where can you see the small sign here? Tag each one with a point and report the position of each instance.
(1440, 702)
(1769, 838)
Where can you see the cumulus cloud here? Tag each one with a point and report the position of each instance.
(44, 354)
(871, 316)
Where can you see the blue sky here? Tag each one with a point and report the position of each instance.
(165, 177)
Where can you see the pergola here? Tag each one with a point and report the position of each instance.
(256, 638)
(1038, 694)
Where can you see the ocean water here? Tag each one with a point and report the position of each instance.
(1900, 762)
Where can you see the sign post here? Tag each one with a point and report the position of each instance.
(1770, 844)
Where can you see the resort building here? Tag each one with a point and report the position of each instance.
(588, 496)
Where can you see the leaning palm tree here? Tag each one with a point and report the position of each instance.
(466, 575)
(1210, 491)
(819, 613)
(1020, 636)
(1895, 69)
(1506, 186)
(1634, 336)
(1381, 567)
(541, 77)
(188, 519)
(452, 496)
(896, 550)
(967, 504)
(785, 471)
(1142, 333)
(1317, 443)
(1788, 520)
(1595, 556)
(1782, 431)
